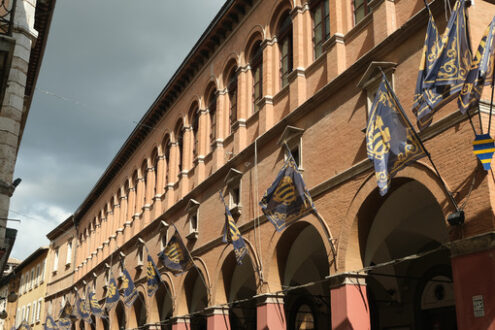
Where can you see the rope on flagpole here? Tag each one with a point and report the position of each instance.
(491, 100)
(256, 222)
(396, 101)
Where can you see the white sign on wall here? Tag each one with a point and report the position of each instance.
(478, 306)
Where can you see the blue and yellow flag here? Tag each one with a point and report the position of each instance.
(64, 322)
(113, 295)
(83, 309)
(431, 49)
(95, 307)
(130, 292)
(447, 74)
(483, 148)
(390, 140)
(50, 324)
(153, 279)
(232, 234)
(287, 197)
(481, 72)
(175, 255)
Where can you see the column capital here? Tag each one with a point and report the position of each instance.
(269, 298)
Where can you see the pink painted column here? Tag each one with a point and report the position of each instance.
(181, 323)
(149, 193)
(217, 318)
(270, 313)
(350, 309)
(474, 290)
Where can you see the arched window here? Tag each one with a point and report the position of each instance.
(284, 36)
(256, 61)
(321, 24)
(232, 89)
(179, 135)
(212, 110)
(194, 120)
(361, 9)
(166, 155)
(154, 161)
(144, 174)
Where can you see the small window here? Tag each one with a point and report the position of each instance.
(140, 255)
(233, 195)
(163, 234)
(321, 25)
(212, 110)
(291, 140)
(38, 313)
(28, 313)
(361, 9)
(232, 90)
(193, 218)
(31, 280)
(35, 311)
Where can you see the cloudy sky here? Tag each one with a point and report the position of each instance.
(105, 63)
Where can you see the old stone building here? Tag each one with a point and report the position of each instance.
(263, 74)
(24, 26)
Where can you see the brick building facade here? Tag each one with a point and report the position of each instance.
(266, 73)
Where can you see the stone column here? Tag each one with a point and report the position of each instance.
(131, 207)
(110, 224)
(116, 214)
(350, 309)
(217, 318)
(244, 107)
(270, 313)
(173, 173)
(474, 290)
(123, 215)
(150, 189)
(271, 82)
(159, 186)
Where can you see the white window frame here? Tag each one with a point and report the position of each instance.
(68, 258)
(28, 311)
(38, 312)
(163, 234)
(55, 260)
(292, 136)
(43, 266)
(23, 314)
(37, 274)
(34, 312)
(233, 181)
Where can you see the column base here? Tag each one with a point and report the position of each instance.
(270, 312)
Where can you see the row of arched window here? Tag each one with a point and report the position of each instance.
(199, 128)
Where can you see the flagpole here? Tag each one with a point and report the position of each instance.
(491, 101)
(454, 203)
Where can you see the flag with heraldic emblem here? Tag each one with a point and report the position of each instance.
(287, 197)
(175, 255)
(50, 324)
(130, 292)
(152, 275)
(390, 139)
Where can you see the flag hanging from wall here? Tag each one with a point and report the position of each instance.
(447, 74)
(130, 292)
(95, 307)
(481, 72)
(112, 297)
(430, 52)
(64, 322)
(83, 310)
(231, 234)
(287, 197)
(50, 324)
(153, 279)
(175, 256)
(390, 139)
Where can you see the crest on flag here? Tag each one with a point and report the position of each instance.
(50, 324)
(175, 255)
(112, 293)
(24, 326)
(287, 197)
(95, 307)
(83, 310)
(152, 276)
(231, 234)
(130, 292)
(390, 140)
